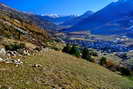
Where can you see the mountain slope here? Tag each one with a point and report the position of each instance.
(110, 20)
(59, 70)
(27, 18)
(20, 26)
(75, 20)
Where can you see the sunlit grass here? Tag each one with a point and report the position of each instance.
(61, 71)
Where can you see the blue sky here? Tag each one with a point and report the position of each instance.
(61, 7)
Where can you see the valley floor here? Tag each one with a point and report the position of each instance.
(52, 69)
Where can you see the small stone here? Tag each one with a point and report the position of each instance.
(18, 62)
(26, 52)
(36, 65)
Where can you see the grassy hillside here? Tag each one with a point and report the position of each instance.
(26, 17)
(59, 70)
(22, 26)
(15, 29)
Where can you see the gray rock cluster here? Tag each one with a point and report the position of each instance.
(21, 52)
(11, 61)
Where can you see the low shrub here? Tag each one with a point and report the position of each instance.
(15, 46)
(86, 54)
(103, 61)
(75, 51)
(67, 48)
(124, 71)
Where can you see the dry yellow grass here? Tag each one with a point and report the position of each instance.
(10, 41)
(61, 71)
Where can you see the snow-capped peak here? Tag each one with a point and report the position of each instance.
(57, 16)
(52, 15)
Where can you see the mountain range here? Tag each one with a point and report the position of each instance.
(57, 19)
(116, 18)
(67, 21)
(75, 20)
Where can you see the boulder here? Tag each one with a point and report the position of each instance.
(1, 60)
(2, 51)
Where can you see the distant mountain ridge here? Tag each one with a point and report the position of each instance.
(75, 20)
(51, 15)
(113, 19)
(57, 19)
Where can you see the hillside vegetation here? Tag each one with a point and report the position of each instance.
(23, 26)
(52, 69)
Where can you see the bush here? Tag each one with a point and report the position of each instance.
(75, 51)
(111, 66)
(124, 71)
(14, 47)
(67, 49)
(87, 55)
(92, 59)
(103, 61)
(93, 53)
